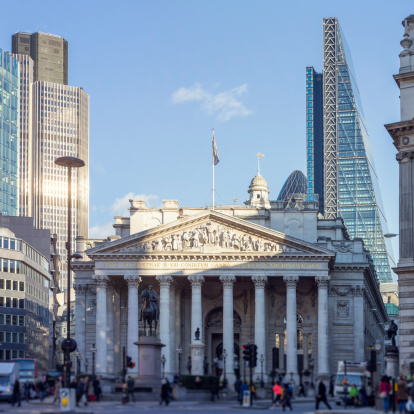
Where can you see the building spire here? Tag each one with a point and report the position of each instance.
(258, 162)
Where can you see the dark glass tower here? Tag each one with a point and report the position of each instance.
(314, 135)
(349, 181)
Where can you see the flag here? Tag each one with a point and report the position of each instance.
(216, 158)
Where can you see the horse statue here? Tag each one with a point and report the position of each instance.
(149, 312)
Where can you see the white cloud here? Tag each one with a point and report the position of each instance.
(101, 231)
(118, 208)
(121, 205)
(224, 105)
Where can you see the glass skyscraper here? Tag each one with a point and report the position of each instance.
(9, 134)
(349, 184)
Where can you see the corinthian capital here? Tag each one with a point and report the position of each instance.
(259, 281)
(196, 280)
(101, 280)
(291, 280)
(79, 288)
(322, 281)
(132, 280)
(228, 280)
(165, 280)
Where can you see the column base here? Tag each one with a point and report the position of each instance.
(197, 358)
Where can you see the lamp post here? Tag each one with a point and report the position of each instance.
(215, 365)
(78, 362)
(224, 368)
(163, 360)
(93, 350)
(261, 373)
(311, 363)
(86, 366)
(179, 352)
(69, 344)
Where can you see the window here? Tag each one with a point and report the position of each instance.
(1, 319)
(1, 283)
(8, 320)
(7, 355)
(15, 301)
(1, 301)
(21, 303)
(1, 336)
(15, 283)
(8, 302)
(8, 337)
(21, 338)
(21, 320)
(6, 268)
(8, 284)
(21, 286)
(14, 320)
(15, 337)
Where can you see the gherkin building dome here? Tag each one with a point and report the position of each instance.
(295, 184)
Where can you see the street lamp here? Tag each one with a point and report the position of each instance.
(93, 350)
(163, 360)
(69, 344)
(224, 368)
(216, 360)
(261, 374)
(179, 352)
(86, 366)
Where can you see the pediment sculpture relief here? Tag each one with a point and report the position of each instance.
(209, 234)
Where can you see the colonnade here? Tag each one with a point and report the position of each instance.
(227, 280)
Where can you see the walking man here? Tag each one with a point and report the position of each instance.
(321, 396)
(130, 389)
(16, 393)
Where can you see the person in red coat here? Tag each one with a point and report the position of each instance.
(384, 392)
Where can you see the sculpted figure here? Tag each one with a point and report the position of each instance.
(186, 240)
(168, 243)
(194, 239)
(174, 242)
(392, 332)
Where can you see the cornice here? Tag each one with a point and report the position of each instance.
(89, 265)
(399, 129)
(403, 76)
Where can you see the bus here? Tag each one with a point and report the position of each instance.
(28, 369)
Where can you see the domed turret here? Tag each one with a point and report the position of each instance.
(258, 189)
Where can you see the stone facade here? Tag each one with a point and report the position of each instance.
(277, 277)
(402, 134)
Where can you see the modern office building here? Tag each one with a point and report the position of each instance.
(349, 181)
(24, 298)
(9, 134)
(55, 123)
(295, 186)
(49, 53)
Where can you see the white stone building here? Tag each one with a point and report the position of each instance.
(271, 273)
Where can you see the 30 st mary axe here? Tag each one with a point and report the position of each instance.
(340, 165)
(54, 122)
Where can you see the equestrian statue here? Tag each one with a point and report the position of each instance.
(150, 310)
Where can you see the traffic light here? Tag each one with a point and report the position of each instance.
(253, 355)
(130, 363)
(373, 362)
(247, 352)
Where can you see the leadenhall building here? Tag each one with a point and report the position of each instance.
(273, 273)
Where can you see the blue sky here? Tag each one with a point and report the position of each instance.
(162, 74)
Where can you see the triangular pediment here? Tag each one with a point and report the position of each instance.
(209, 232)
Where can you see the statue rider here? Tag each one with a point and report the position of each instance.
(392, 331)
(153, 298)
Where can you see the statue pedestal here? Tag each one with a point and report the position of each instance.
(149, 368)
(392, 358)
(197, 358)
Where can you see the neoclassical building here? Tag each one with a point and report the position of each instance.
(273, 273)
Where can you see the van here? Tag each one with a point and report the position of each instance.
(9, 372)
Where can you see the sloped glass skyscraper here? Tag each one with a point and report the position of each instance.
(9, 134)
(342, 151)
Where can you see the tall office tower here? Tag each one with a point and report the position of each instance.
(350, 185)
(49, 53)
(26, 136)
(9, 134)
(55, 123)
(314, 135)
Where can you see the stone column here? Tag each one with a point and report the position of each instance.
(228, 325)
(291, 325)
(80, 319)
(323, 326)
(173, 340)
(110, 329)
(118, 364)
(197, 345)
(259, 320)
(305, 351)
(132, 335)
(101, 323)
(165, 282)
(282, 351)
(359, 347)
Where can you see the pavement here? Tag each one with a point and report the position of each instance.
(300, 405)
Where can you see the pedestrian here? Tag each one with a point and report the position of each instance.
(42, 389)
(165, 391)
(321, 396)
(26, 390)
(197, 383)
(80, 391)
(130, 389)
(277, 394)
(16, 397)
(244, 387)
(302, 390)
(384, 392)
(58, 387)
(363, 396)
(97, 388)
(252, 389)
(287, 397)
(87, 384)
(237, 388)
(402, 394)
(353, 393)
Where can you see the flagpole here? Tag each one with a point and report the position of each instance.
(213, 171)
